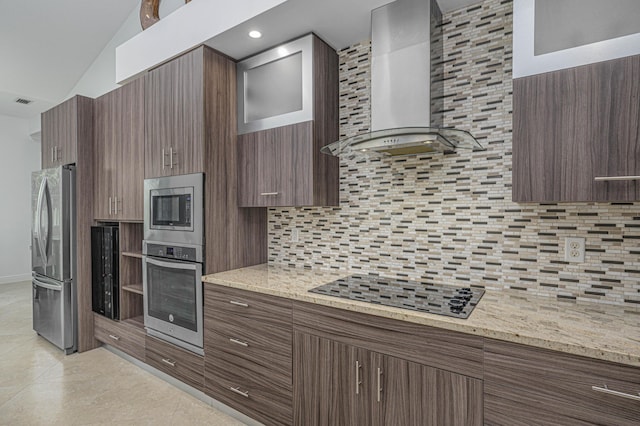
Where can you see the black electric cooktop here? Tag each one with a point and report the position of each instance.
(434, 299)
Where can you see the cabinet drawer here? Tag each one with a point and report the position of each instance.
(255, 341)
(449, 350)
(257, 397)
(121, 335)
(177, 362)
(525, 385)
(230, 304)
(277, 372)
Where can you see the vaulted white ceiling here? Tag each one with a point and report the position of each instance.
(47, 45)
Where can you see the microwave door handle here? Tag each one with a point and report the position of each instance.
(173, 265)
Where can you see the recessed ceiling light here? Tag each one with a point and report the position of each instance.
(255, 34)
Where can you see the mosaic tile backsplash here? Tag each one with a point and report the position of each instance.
(449, 219)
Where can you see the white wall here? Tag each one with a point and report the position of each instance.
(20, 157)
(100, 77)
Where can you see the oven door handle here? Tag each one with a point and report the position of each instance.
(190, 266)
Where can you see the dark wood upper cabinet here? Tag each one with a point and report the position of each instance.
(119, 153)
(175, 114)
(576, 134)
(283, 166)
(60, 128)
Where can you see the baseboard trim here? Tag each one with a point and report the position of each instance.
(10, 279)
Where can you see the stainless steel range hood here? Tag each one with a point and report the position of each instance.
(407, 85)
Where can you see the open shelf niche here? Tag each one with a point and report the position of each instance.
(131, 292)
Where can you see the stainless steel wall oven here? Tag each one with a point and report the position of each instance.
(173, 254)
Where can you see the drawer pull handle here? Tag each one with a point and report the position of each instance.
(239, 392)
(379, 384)
(605, 389)
(233, 302)
(116, 338)
(169, 362)
(614, 178)
(269, 193)
(239, 342)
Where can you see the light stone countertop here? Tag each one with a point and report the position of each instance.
(598, 331)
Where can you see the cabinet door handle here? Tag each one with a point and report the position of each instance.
(58, 156)
(605, 389)
(52, 155)
(233, 302)
(116, 338)
(115, 205)
(239, 342)
(171, 154)
(110, 206)
(239, 392)
(163, 155)
(615, 178)
(379, 384)
(269, 193)
(169, 362)
(358, 381)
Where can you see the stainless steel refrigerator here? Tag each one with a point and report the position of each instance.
(53, 256)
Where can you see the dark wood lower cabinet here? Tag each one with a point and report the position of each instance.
(177, 362)
(340, 384)
(531, 386)
(127, 336)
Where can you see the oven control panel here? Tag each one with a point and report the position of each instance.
(172, 252)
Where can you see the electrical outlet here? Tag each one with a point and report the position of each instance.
(294, 235)
(574, 250)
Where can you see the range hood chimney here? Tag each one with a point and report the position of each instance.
(407, 85)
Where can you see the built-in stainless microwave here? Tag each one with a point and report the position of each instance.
(173, 209)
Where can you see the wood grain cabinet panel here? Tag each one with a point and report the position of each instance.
(283, 166)
(175, 123)
(177, 362)
(448, 350)
(526, 386)
(118, 154)
(60, 132)
(248, 347)
(340, 384)
(574, 125)
(121, 335)
(255, 396)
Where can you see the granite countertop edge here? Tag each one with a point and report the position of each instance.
(245, 279)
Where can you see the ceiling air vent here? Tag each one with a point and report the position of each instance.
(23, 101)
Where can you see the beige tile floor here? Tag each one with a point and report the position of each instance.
(41, 386)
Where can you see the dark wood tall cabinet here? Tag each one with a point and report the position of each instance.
(61, 126)
(67, 138)
(175, 112)
(119, 153)
(190, 127)
(576, 134)
(283, 166)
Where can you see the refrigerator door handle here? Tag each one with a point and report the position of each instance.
(38, 224)
(39, 283)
